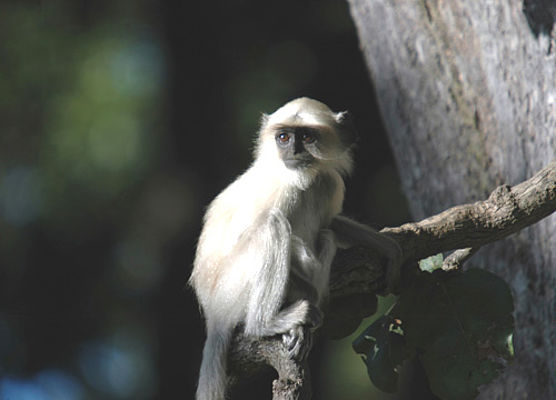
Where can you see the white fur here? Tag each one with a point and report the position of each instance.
(261, 225)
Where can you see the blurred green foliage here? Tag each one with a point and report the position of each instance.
(119, 121)
(79, 132)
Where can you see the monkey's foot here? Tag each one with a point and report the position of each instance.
(298, 341)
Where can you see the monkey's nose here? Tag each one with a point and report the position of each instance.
(298, 148)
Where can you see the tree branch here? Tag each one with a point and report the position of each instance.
(506, 211)
(457, 258)
(358, 273)
(250, 354)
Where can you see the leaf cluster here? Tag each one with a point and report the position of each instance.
(458, 324)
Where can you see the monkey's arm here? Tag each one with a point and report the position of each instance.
(350, 233)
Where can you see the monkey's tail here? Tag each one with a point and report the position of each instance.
(213, 378)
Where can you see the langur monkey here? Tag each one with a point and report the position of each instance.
(263, 258)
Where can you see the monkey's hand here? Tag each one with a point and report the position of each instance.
(352, 233)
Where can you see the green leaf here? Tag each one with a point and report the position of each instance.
(460, 324)
(431, 263)
(383, 349)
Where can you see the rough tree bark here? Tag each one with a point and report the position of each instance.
(467, 91)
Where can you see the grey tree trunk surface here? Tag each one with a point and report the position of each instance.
(467, 91)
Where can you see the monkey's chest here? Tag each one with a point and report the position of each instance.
(314, 208)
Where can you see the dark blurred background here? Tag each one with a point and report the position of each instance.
(119, 122)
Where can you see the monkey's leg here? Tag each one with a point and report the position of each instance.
(309, 277)
(327, 250)
(302, 312)
(302, 295)
(314, 270)
(269, 286)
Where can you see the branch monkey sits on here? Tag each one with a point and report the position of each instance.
(264, 254)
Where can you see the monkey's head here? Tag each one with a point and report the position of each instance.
(306, 135)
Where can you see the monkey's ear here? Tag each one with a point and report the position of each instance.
(264, 119)
(345, 120)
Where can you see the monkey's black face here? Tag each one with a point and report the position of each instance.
(297, 146)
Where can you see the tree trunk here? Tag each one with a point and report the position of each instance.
(467, 91)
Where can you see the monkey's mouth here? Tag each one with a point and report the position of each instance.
(297, 163)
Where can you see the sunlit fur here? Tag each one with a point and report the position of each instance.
(268, 222)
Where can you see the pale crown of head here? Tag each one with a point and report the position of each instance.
(303, 111)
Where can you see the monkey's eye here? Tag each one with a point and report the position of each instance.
(308, 137)
(283, 137)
